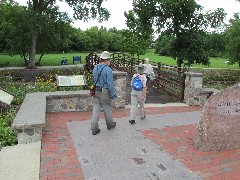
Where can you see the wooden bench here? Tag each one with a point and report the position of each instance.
(70, 81)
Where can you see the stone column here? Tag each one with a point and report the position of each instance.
(193, 87)
(119, 79)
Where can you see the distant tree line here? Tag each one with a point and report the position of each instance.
(183, 34)
(56, 34)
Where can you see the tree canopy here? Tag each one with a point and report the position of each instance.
(183, 19)
(83, 10)
(233, 38)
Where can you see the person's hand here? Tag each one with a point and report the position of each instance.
(143, 97)
(114, 97)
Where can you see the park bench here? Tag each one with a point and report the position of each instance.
(70, 81)
(5, 100)
(77, 58)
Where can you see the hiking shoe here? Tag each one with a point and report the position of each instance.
(111, 126)
(96, 132)
(132, 121)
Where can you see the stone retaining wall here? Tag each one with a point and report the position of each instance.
(30, 118)
(194, 93)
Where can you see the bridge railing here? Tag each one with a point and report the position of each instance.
(169, 79)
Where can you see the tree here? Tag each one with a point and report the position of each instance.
(184, 19)
(14, 29)
(136, 40)
(163, 44)
(216, 44)
(54, 28)
(54, 32)
(83, 10)
(233, 37)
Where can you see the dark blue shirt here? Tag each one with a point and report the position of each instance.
(106, 78)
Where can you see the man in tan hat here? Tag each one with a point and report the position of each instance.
(138, 96)
(103, 78)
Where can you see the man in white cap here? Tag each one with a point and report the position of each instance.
(148, 71)
(138, 96)
(103, 78)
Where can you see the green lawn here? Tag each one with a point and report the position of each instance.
(215, 62)
(55, 60)
(47, 60)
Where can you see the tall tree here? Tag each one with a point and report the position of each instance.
(184, 19)
(83, 10)
(136, 39)
(233, 40)
(163, 44)
(54, 28)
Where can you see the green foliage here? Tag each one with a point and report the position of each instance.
(136, 40)
(163, 44)
(8, 137)
(40, 27)
(233, 37)
(53, 29)
(189, 48)
(45, 83)
(216, 44)
(219, 78)
(83, 10)
(183, 19)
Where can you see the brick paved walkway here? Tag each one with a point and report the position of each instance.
(59, 159)
(178, 141)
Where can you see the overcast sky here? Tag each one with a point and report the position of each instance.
(117, 8)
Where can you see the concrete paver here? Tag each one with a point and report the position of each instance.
(124, 153)
(58, 155)
(20, 162)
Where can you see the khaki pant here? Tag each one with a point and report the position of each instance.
(101, 100)
(136, 97)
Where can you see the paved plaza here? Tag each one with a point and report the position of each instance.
(159, 147)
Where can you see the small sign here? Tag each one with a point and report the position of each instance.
(229, 107)
(72, 80)
(6, 97)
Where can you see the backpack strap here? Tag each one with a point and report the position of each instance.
(99, 75)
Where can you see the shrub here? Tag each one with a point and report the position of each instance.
(8, 137)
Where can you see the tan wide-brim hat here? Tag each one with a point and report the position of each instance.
(140, 68)
(105, 55)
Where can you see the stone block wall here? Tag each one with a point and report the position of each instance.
(195, 94)
(31, 117)
(193, 87)
(74, 101)
(29, 134)
(82, 101)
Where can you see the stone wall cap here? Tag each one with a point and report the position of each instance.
(34, 116)
(208, 90)
(194, 74)
(64, 94)
(119, 73)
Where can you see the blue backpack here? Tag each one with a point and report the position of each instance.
(137, 84)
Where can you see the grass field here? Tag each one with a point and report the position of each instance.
(55, 60)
